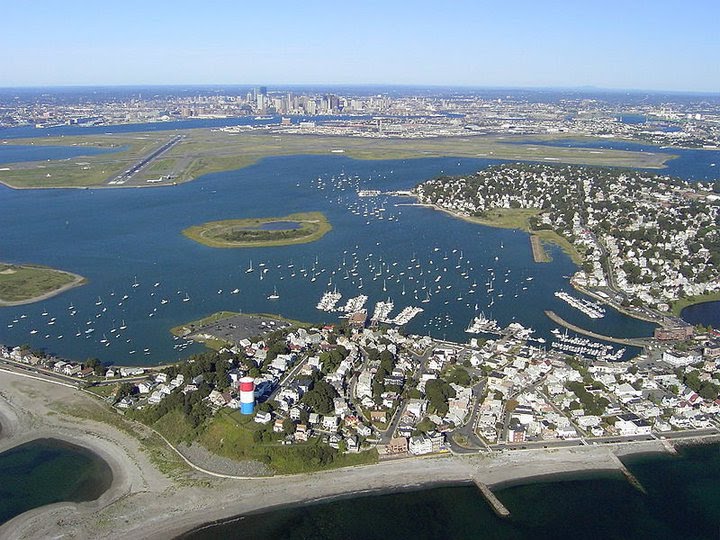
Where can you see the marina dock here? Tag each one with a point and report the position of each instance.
(495, 503)
(633, 342)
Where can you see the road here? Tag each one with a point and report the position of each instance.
(467, 430)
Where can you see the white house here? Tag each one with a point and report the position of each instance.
(420, 445)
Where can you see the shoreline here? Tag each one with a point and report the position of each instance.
(570, 252)
(542, 235)
(207, 160)
(143, 501)
(78, 281)
(694, 301)
(315, 224)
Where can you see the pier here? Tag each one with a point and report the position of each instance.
(495, 503)
(633, 342)
(538, 250)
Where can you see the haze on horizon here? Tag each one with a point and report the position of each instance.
(664, 45)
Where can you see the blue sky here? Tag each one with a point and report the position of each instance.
(636, 44)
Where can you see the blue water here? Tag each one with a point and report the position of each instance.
(46, 471)
(632, 118)
(682, 501)
(114, 236)
(57, 131)
(690, 164)
(11, 153)
(707, 313)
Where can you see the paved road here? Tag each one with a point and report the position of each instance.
(467, 430)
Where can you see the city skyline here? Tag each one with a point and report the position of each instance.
(623, 47)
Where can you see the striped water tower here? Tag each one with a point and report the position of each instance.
(247, 395)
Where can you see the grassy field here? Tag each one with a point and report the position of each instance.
(230, 434)
(517, 218)
(203, 151)
(681, 304)
(25, 283)
(221, 234)
(81, 171)
(157, 450)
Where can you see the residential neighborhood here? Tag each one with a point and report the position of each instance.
(646, 241)
(357, 390)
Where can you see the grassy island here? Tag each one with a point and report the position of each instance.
(293, 229)
(25, 284)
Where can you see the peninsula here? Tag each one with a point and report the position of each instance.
(300, 228)
(25, 284)
(646, 242)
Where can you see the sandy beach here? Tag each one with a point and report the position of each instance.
(143, 502)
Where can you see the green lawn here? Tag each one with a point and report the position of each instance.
(230, 434)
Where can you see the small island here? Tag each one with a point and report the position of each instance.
(25, 284)
(300, 228)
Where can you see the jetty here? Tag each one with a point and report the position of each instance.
(495, 503)
(633, 342)
(538, 250)
(629, 475)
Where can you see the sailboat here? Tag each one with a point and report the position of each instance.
(250, 268)
(274, 295)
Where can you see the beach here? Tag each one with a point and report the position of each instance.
(144, 502)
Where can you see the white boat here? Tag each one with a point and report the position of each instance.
(274, 295)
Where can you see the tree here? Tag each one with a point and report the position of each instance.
(459, 376)
(320, 397)
(288, 426)
(438, 392)
(95, 364)
(125, 389)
